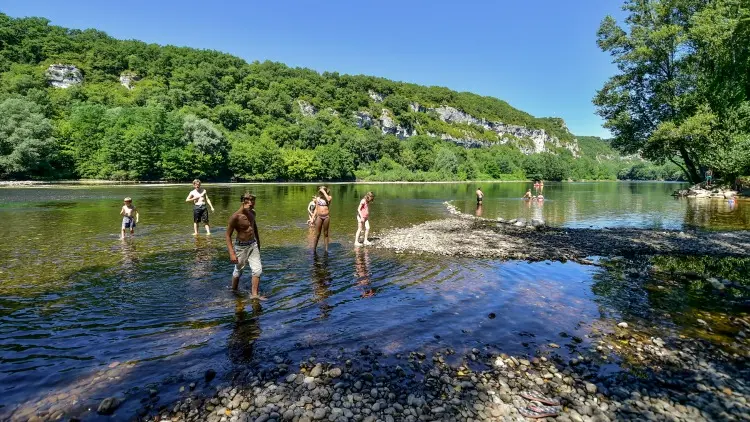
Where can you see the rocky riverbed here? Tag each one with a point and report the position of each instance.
(672, 379)
(465, 235)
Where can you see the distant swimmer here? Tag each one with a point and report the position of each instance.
(246, 248)
(363, 218)
(311, 212)
(130, 217)
(540, 197)
(480, 195)
(199, 197)
(528, 194)
(322, 215)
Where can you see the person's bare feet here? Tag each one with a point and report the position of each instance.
(258, 297)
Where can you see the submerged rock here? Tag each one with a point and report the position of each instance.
(108, 406)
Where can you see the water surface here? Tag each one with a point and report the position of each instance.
(84, 315)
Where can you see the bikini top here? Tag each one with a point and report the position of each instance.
(322, 202)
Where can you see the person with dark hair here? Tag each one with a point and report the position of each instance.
(322, 216)
(246, 248)
(199, 196)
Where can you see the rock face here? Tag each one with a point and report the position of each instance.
(363, 119)
(128, 79)
(389, 126)
(63, 75)
(378, 98)
(540, 140)
(307, 109)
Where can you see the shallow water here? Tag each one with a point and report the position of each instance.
(84, 315)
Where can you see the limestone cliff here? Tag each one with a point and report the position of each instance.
(63, 75)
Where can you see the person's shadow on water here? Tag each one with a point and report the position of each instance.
(245, 331)
(362, 269)
(322, 279)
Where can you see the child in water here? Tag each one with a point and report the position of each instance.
(130, 217)
(363, 218)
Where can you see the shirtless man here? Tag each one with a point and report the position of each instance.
(199, 196)
(480, 196)
(528, 195)
(246, 249)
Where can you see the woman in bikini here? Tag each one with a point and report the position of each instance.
(322, 220)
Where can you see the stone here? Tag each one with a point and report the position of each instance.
(623, 325)
(307, 110)
(334, 372)
(209, 375)
(63, 75)
(108, 406)
(316, 371)
(128, 79)
(590, 388)
(320, 413)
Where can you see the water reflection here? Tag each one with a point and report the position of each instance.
(204, 255)
(245, 330)
(703, 212)
(129, 258)
(322, 279)
(362, 269)
(479, 210)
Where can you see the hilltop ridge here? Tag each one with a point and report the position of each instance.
(98, 107)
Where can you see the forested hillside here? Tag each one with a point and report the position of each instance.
(80, 104)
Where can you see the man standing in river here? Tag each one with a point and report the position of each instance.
(246, 248)
(199, 196)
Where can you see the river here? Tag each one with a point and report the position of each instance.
(85, 315)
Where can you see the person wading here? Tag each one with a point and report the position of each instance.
(199, 196)
(246, 248)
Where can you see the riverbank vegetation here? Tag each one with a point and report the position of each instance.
(127, 110)
(682, 93)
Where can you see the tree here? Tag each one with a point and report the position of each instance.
(26, 142)
(255, 159)
(681, 83)
(209, 147)
(446, 161)
(653, 92)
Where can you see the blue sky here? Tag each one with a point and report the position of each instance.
(538, 55)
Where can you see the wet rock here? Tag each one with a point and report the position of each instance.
(209, 375)
(108, 406)
(623, 325)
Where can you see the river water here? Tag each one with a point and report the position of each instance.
(84, 315)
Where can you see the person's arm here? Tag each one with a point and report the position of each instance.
(190, 197)
(137, 216)
(359, 208)
(122, 211)
(208, 201)
(228, 236)
(255, 227)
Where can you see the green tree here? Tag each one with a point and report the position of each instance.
(255, 159)
(26, 143)
(208, 145)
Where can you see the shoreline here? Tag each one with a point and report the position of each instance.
(92, 182)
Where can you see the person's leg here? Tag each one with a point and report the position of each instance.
(367, 232)
(122, 234)
(242, 259)
(235, 282)
(257, 268)
(318, 226)
(208, 230)
(195, 228)
(359, 230)
(325, 231)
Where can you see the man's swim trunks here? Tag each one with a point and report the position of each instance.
(200, 214)
(247, 254)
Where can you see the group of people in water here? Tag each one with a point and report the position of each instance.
(244, 251)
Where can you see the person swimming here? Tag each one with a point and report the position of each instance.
(528, 194)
